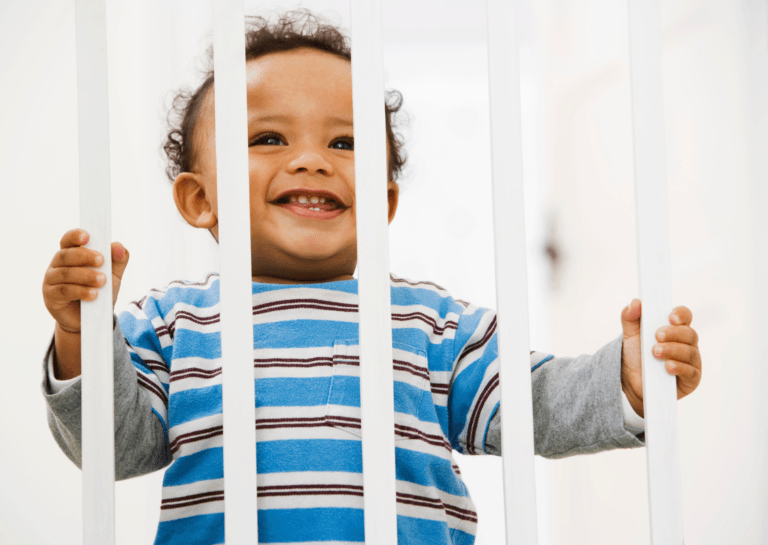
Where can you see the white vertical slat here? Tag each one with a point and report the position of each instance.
(511, 273)
(376, 375)
(659, 387)
(238, 404)
(98, 460)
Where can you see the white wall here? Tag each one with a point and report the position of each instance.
(578, 163)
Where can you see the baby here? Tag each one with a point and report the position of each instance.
(167, 352)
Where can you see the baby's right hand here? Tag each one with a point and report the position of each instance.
(70, 278)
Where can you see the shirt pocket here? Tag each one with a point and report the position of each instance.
(411, 389)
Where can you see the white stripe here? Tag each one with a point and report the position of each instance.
(98, 444)
(511, 273)
(659, 387)
(238, 404)
(376, 378)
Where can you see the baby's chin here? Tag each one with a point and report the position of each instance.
(307, 261)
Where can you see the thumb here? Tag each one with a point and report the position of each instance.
(120, 258)
(630, 319)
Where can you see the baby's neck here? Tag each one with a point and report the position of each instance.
(279, 280)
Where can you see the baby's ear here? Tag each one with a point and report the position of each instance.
(192, 202)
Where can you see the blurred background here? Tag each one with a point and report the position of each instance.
(580, 225)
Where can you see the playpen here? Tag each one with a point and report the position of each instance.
(376, 382)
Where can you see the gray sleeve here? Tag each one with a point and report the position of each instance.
(576, 407)
(141, 443)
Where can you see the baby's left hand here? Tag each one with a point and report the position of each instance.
(678, 345)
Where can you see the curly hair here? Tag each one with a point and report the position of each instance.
(294, 29)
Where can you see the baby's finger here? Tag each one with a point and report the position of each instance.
(676, 351)
(688, 377)
(81, 276)
(74, 237)
(678, 333)
(77, 257)
(59, 296)
(681, 316)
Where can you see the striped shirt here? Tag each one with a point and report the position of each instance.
(306, 377)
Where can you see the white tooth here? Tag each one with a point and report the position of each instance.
(322, 200)
(302, 199)
(314, 208)
(314, 200)
(293, 198)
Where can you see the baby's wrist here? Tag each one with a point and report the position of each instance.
(63, 329)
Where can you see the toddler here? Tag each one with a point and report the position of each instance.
(167, 352)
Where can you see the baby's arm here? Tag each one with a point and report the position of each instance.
(141, 445)
(578, 407)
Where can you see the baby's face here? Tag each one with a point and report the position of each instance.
(301, 169)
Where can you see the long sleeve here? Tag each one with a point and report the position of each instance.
(578, 407)
(141, 442)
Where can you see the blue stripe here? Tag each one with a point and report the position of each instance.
(345, 286)
(192, 404)
(542, 362)
(196, 403)
(310, 455)
(303, 333)
(461, 538)
(298, 525)
(195, 344)
(428, 470)
(319, 524)
(201, 466)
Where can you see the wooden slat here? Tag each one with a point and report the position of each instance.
(511, 273)
(659, 387)
(238, 404)
(98, 446)
(376, 374)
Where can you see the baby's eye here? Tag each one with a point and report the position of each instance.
(268, 140)
(348, 142)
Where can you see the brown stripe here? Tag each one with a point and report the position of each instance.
(310, 493)
(401, 365)
(155, 365)
(181, 375)
(196, 502)
(412, 369)
(186, 315)
(448, 509)
(449, 324)
(414, 433)
(439, 388)
(397, 280)
(152, 387)
(427, 320)
(474, 420)
(192, 497)
(265, 306)
(486, 337)
(303, 303)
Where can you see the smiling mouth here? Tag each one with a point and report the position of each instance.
(314, 203)
(311, 206)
